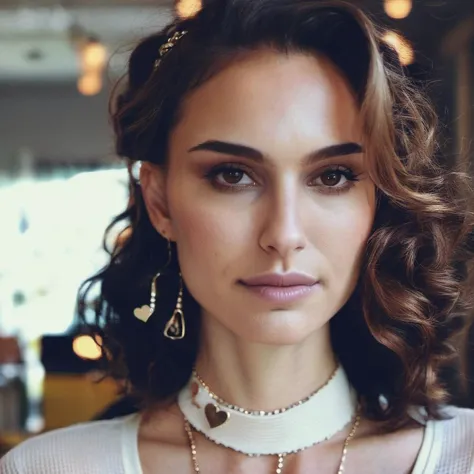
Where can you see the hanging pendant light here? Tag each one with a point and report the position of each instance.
(90, 83)
(398, 9)
(93, 55)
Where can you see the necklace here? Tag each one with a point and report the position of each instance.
(222, 402)
(255, 433)
(281, 457)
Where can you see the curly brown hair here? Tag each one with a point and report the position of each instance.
(394, 334)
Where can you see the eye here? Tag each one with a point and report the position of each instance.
(230, 176)
(233, 176)
(334, 179)
(331, 178)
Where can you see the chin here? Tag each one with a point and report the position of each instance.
(280, 328)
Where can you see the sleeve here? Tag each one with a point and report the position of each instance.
(8, 464)
(457, 453)
(88, 448)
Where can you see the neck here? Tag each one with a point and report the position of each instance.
(263, 377)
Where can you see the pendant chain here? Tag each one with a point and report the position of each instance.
(281, 457)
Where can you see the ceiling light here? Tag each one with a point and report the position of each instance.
(90, 83)
(93, 55)
(398, 9)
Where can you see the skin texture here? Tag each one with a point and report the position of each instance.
(276, 213)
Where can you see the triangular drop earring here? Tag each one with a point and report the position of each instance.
(176, 327)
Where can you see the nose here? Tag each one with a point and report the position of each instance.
(282, 230)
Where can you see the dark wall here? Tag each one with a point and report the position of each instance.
(55, 122)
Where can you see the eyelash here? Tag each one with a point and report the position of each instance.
(350, 176)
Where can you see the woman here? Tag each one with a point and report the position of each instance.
(305, 249)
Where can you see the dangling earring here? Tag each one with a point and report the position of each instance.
(176, 327)
(145, 312)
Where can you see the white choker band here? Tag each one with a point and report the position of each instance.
(316, 419)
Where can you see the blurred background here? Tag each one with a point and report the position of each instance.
(60, 183)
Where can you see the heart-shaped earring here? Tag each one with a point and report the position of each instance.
(215, 417)
(143, 313)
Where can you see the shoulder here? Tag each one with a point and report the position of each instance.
(455, 435)
(91, 448)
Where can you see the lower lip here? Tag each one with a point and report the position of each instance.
(283, 294)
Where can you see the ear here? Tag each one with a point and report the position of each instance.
(153, 184)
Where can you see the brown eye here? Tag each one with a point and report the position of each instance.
(331, 178)
(334, 180)
(232, 176)
(229, 176)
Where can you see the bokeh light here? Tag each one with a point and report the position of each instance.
(398, 9)
(86, 347)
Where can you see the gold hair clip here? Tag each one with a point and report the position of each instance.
(166, 47)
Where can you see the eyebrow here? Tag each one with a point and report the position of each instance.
(244, 151)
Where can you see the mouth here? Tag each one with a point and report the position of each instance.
(281, 288)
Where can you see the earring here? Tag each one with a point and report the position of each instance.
(145, 312)
(176, 327)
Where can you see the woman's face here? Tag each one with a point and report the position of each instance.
(267, 196)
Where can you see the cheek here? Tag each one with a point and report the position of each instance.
(208, 236)
(346, 240)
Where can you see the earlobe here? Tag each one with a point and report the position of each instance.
(152, 181)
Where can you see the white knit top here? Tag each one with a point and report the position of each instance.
(110, 447)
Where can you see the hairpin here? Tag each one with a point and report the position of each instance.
(166, 47)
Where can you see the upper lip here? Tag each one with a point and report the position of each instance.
(280, 279)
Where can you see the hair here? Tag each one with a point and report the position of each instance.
(395, 333)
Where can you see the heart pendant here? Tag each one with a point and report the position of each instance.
(143, 313)
(215, 417)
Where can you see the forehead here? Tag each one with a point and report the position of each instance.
(285, 98)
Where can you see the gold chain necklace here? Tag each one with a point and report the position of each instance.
(223, 403)
(281, 457)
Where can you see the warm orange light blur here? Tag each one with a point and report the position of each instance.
(402, 46)
(86, 348)
(93, 56)
(90, 83)
(398, 9)
(188, 8)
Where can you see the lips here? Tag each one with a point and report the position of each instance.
(281, 280)
(281, 288)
